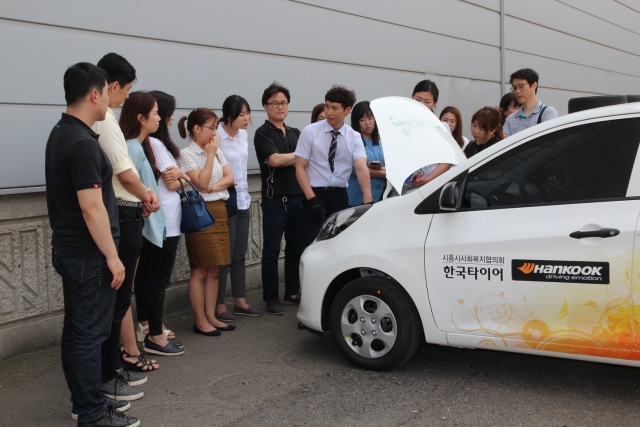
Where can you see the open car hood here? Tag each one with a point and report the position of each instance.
(412, 137)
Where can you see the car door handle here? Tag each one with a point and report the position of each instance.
(603, 232)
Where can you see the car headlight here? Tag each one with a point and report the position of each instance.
(340, 221)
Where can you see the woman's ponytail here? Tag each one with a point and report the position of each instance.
(181, 128)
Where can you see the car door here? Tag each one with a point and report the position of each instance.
(538, 252)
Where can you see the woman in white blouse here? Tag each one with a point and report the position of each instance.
(208, 249)
(236, 115)
(156, 263)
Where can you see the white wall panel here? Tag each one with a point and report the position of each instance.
(270, 26)
(487, 4)
(611, 11)
(559, 17)
(453, 18)
(567, 76)
(631, 4)
(530, 38)
(202, 51)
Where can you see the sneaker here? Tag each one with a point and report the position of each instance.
(131, 377)
(291, 299)
(274, 307)
(168, 350)
(118, 389)
(120, 406)
(111, 418)
(249, 311)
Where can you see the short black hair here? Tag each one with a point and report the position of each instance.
(273, 89)
(527, 74)
(342, 95)
(118, 69)
(80, 79)
(232, 107)
(427, 86)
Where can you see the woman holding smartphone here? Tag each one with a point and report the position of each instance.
(362, 121)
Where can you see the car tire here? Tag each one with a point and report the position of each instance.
(374, 324)
(589, 102)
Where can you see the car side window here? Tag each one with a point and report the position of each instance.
(588, 162)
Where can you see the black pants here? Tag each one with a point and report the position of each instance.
(131, 223)
(333, 200)
(152, 279)
(293, 220)
(239, 240)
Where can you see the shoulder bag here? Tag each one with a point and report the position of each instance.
(195, 215)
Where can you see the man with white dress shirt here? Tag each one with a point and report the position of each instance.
(325, 154)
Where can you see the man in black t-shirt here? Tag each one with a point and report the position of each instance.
(84, 219)
(282, 210)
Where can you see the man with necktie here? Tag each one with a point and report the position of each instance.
(325, 154)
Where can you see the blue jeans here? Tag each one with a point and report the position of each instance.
(88, 311)
(294, 221)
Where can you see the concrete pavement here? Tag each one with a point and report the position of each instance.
(268, 373)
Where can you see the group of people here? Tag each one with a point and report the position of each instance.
(115, 210)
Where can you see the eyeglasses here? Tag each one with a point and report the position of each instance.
(212, 129)
(516, 88)
(276, 104)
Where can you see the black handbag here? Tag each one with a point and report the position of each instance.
(232, 201)
(195, 215)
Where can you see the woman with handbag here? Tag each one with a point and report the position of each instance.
(208, 249)
(236, 115)
(156, 261)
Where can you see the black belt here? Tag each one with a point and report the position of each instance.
(127, 204)
(328, 188)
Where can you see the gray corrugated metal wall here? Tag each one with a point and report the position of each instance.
(202, 51)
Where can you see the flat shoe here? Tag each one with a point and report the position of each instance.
(214, 333)
(227, 328)
(249, 311)
(225, 316)
(168, 350)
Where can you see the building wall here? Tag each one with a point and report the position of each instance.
(203, 51)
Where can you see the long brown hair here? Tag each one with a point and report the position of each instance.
(199, 116)
(490, 120)
(457, 134)
(140, 102)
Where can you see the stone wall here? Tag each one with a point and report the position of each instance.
(31, 300)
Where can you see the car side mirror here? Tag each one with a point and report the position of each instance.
(449, 197)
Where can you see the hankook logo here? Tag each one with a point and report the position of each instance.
(560, 271)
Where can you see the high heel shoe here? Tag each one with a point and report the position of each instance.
(214, 333)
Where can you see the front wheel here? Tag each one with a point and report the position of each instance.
(374, 324)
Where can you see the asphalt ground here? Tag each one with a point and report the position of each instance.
(268, 373)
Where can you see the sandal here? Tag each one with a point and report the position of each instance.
(142, 331)
(142, 364)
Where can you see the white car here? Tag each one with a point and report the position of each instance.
(530, 246)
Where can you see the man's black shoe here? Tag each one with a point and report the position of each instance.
(274, 307)
(111, 418)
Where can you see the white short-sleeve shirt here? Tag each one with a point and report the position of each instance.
(313, 145)
(236, 151)
(169, 200)
(193, 157)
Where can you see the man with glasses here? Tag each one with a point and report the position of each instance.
(524, 85)
(282, 210)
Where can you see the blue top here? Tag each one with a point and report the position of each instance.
(374, 153)
(154, 229)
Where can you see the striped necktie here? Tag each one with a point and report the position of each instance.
(332, 149)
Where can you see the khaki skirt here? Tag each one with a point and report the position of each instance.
(210, 247)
